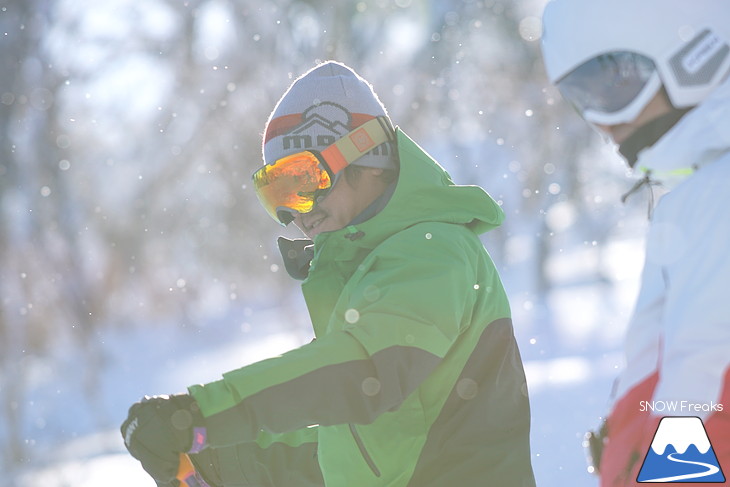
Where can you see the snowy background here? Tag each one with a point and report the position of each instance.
(134, 258)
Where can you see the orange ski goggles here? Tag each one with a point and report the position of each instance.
(294, 183)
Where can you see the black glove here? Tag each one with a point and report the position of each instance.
(157, 430)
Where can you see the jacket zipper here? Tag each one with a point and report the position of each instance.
(363, 451)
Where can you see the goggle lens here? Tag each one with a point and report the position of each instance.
(611, 88)
(293, 182)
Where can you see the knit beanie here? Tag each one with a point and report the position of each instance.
(319, 108)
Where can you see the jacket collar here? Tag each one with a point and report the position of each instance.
(699, 138)
(298, 253)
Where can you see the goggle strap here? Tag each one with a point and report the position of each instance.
(357, 143)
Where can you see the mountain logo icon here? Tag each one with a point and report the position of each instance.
(681, 452)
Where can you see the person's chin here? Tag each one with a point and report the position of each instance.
(321, 227)
(311, 234)
(620, 135)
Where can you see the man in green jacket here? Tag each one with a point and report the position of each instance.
(414, 378)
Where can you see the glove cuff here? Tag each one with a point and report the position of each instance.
(200, 439)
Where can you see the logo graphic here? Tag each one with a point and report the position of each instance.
(327, 122)
(320, 125)
(681, 452)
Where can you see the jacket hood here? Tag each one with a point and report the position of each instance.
(700, 137)
(424, 193)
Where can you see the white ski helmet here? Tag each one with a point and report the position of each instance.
(688, 43)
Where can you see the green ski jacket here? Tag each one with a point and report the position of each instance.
(414, 378)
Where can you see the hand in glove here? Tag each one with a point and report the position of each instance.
(158, 429)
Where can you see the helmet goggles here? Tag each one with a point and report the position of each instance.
(293, 184)
(612, 88)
